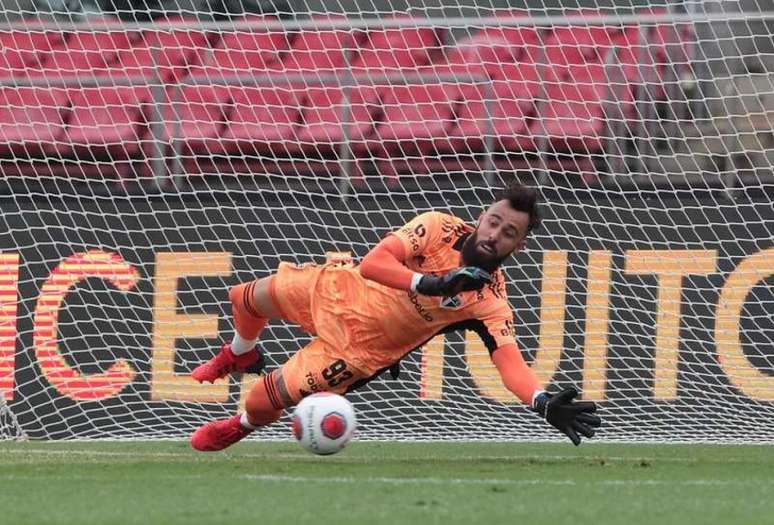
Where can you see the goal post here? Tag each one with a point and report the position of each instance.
(148, 166)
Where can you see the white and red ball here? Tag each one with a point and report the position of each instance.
(324, 423)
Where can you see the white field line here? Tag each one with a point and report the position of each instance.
(337, 459)
(494, 481)
(339, 480)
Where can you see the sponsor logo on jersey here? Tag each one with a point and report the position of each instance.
(414, 235)
(419, 307)
(451, 303)
(451, 231)
(311, 383)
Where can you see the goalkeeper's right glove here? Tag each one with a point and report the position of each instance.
(568, 416)
(464, 279)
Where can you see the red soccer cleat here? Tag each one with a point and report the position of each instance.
(226, 362)
(220, 434)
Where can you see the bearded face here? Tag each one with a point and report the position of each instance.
(481, 253)
(500, 231)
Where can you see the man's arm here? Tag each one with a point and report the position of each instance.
(515, 374)
(569, 417)
(385, 265)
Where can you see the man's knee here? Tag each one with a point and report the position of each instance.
(254, 298)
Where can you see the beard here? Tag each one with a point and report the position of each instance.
(472, 257)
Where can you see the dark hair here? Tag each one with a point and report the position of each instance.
(522, 198)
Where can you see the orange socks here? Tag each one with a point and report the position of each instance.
(263, 405)
(248, 320)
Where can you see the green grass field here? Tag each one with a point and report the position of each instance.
(386, 483)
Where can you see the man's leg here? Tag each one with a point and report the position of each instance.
(261, 410)
(315, 368)
(252, 307)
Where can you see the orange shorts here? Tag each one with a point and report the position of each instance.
(317, 367)
(291, 290)
(322, 365)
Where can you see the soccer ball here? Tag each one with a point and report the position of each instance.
(323, 423)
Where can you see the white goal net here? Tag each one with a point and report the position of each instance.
(151, 160)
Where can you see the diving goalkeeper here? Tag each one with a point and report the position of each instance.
(435, 274)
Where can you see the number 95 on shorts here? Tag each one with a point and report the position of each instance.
(317, 367)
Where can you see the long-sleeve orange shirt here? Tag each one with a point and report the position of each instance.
(431, 244)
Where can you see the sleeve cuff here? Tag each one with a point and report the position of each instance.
(535, 396)
(415, 281)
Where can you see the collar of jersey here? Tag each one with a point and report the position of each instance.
(458, 244)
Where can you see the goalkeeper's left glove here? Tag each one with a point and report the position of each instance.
(465, 279)
(569, 417)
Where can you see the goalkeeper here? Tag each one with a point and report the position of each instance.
(436, 274)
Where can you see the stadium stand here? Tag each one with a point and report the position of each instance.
(382, 96)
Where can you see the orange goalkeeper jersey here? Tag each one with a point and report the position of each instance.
(377, 325)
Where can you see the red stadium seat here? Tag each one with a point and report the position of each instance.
(263, 120)
(482, 51)
(524, 41)
(499, 110)
(269, 121)
(322, 51)
(323, 127)
(87, 54)
(670, 43)
(145, 61)
(415, 117)
(21, 51)
(392, 50)
(572, 118)
(166, 53)
(385, 60)
(13, 63)
(197, 117)
(106, 122)
(636, 59)
(571, 46)
(31, 120)
(242, 51)
(629, 51)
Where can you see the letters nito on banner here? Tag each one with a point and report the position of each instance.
(94, 318)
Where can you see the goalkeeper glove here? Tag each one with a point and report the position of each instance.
(569, 417)
(460, 280)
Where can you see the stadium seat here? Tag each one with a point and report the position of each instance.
(572, 46)
(86, 54)
(167, 53)
(266, 116)
(31, 120)
(322, 112)
(326, 54)
(106, 122)
(320, 51)
(524, 41)
(263, 120)
(638, 65)
(196, 116)
(481, 53)
(415, 116)
(240, 52)
(21, 51)
(670, 42)
(390, 51)
(499, 110)
(572, 118)
(13, 63)
(145, 61)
